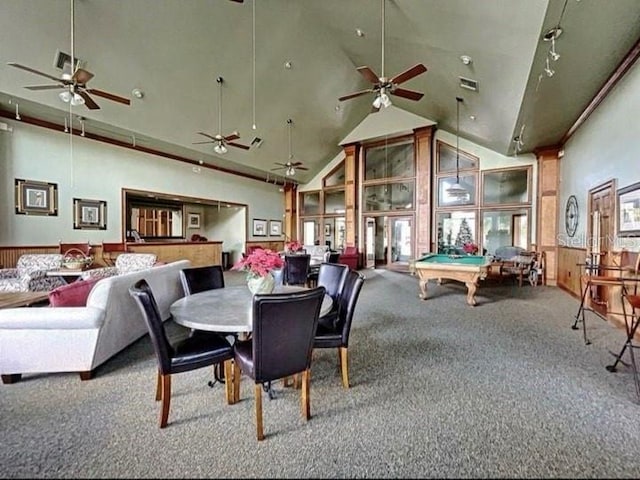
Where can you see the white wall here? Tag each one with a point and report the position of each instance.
(89, 169)
(605, 147)
(229, 224)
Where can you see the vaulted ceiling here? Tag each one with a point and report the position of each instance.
(305, 57)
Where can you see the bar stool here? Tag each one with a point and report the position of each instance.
(590, 280)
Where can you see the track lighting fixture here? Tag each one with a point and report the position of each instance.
(548, 70)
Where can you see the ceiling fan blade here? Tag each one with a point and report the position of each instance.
(410, 94)
(355, 94)
(29, 69)
(295, 164)
(279, 168)
(408, 74)
(109, 96)
(208, 136)
(200, 143)
(369, 74)
(233, 136)
(88, 101)
(239, 145)
(283, 164)
(82, 76)
(44, 87)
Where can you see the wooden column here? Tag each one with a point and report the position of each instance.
(423, 138)
(547, 229)
(352, 152)
(290, 212)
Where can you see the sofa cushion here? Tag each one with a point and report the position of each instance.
(73, 295)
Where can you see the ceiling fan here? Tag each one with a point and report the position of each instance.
(219, 140)
(289, 167)
(383, 86)
(73, 81)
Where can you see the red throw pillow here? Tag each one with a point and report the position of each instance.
(73, 295)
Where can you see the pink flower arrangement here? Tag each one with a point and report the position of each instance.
(293, 246)
(259, 263)
(470, 248)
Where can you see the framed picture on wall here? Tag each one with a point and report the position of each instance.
(36, 198)
(629, 211)
(193, 220)
(327, 230)
(259, 227)
(89, 214)
(275, 228)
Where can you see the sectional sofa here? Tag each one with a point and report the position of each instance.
(79, 339)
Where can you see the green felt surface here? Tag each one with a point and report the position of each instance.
(454, 259)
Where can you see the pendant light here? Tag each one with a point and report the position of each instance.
(457, 191)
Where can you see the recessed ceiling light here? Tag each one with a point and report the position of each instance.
(466, 59)
(288, 65)
(472, 117)
(359, 32)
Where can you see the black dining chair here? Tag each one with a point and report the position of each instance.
(199, 350)
(200, 279)
(296, 269)
(332, 276)
(337, 336)
(284, 325)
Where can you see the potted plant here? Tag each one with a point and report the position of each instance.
(259, 264)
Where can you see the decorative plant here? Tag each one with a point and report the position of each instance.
(471, 248)
(293, 246)
(259, 263)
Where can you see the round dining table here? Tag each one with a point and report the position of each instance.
(228, 309)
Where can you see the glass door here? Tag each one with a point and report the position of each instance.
(370, 242)
(400, 242)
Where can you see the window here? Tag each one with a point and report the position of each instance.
(467, 181)
(507, 186)
(505, 228)
(446, 159)
(389, 160)
(334, 202)
(388, 197)
(454, 230)
(310, 203)
(335, 178)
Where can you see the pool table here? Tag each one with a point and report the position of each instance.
(463, 268)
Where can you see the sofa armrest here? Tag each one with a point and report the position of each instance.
(51, 318)
(8, 273)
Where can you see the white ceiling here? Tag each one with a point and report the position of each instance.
(173, 50)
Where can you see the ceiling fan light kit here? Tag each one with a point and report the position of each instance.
(73, 80)
(289, 167)
(383, 86)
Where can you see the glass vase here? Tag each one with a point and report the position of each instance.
(259, 285)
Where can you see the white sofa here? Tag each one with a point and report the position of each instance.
(318, 252)
(78, 339)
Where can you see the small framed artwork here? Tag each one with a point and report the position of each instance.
(629, 211)
(193, 220)
(89, 214)
(327, 230)
(259, 227)
(36, 198)
(275, 228)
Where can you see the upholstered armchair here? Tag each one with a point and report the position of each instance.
(350, 257)
(30, 274)
(125, 263)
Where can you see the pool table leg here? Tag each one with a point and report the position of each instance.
(423, 288)
(471, 293)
